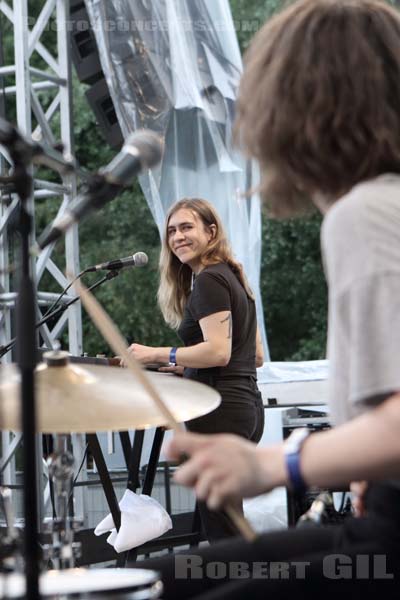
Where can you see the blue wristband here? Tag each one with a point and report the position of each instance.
(172, 357)
(297, 482)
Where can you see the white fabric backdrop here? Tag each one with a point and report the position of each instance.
(174, 67)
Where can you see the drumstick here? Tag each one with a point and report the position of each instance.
(114, 338)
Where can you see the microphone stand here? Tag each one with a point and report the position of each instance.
(26, 360)
(58, 311)
(21, 156)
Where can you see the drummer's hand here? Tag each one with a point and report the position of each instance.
(177, 370)
(225, 468)
(143, 354)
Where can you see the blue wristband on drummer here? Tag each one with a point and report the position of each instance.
(292, 449)
(172, 357)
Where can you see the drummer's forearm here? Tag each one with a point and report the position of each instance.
(199, 356)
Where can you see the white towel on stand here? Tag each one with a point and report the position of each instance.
(142, 519)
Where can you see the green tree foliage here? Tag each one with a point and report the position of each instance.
(292, 282)
(249, 16)
(293, 288)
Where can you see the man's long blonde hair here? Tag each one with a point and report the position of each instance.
(176, 277)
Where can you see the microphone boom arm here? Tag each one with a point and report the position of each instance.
(60, 310)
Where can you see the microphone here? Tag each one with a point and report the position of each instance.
(139, 259)
(142, 150)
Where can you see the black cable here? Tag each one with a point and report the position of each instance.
(342, 502)
(110, 275)
(78, 472)
(52, 307)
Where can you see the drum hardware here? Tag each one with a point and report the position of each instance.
(322, 510)
(73, 394)
(315, 420)
(93, 584)
(10, 545)
(21, 157)
(63, 550)
(87, 584)
(305, 417)
(88, 398)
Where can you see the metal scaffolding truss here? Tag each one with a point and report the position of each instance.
(40, 82)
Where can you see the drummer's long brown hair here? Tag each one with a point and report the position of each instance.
(176, 277)
(318, 104)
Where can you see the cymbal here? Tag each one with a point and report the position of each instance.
(89, 398)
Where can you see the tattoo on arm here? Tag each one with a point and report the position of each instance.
(228, 318)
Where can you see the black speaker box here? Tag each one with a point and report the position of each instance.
(84, 52)
(102, 105)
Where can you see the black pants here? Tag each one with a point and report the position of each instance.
(360, 557)
(241, 412)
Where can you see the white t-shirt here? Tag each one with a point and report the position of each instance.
(360, 240)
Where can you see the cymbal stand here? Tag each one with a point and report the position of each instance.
(26, 350)
(10, 543)
(62, 550)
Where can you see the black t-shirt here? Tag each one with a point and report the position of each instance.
(216, 289)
